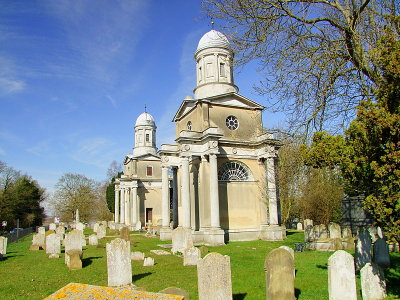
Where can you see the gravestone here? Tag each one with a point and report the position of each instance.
(38, 241)
(308, 222)
(381, 253)
(52, 226)
(279, 275)
(334, 231)
(363, 248)
(95, 227)
(79, 226)
(53, 245)
(191, 256)
(308, 234)
(320, 232)
(181, 239)
(42, 230)
(3, 245)
(93, 240)
(299, 226)
(101, 231)
(373, 286)
(148, 262)
(290, 250)
(73, 241)
(214, 277)
(60, 230)
(124, 233)
(341, 276)
(138, 226)
(74, 259)
(346, 233)
(119, 267)
(136, 255)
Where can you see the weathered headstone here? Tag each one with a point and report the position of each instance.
(38, 241)
(93, 240)
(3, 245)
(341, 276)
(334, 231)
(73, 241)
(308, 234)
(290, 250)
(320, 231)
(79, 226)
(381, 253)
(136, 255)
(95, 227)
(138, 225)
(60, 230)
(74, 259)
(181, 239)
(42, 230)
(124, 233)
(148, 262)
(119, 267)
(299, 226)
(101, 231)
(53, 245)
(191, 256)
(346, 233)
(279, 275)
(52, 226)
(214, 277)
(308, 222)
(373, 286)
(363, 248)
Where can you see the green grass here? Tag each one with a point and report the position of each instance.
(31, 275)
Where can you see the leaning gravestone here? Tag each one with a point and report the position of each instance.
(3, 245)
(93, 240)
(341, 276)
(53, 245)
(381, 253)
(214, 277)
(191, 256)
(363, 248)
(181, 239)
(119, 267)
(373, 286)
(101, 231)
(334, 231)
(279, 275)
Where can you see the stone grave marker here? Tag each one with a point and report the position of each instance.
(124, 234)
(74, 259)
(321, 232)
(95, 227)
(3, 245)
(119, 266)
(73, 241)
(279, 275)
(363, 248)
(346, 233)
(334, 231)
(373, 286)
(60, 230)
(160, 252)
(101, 231)
(308, 222)
(93, 240)
(38, 241)
(299, 226)
(181, 239)
(214, 277)
(53, 245)
(136, 255)
(341, 276)
(52, 226)
(79, 226)
(41, 230)
(291, 251)
(381, 253)
(191, 256)
(308, 234)
(148, 262)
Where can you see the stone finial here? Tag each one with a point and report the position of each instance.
(214, 277)
(279, 274)
(341, 276)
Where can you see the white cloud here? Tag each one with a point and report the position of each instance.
(8, 85)
(2, 152)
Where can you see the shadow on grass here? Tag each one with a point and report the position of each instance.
(290, 232)
(88, 260)
(297, 293)
(6, 256)
(392, 276)
(140, 276)
(239, 296)
(323, 267)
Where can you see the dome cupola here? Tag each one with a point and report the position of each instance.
(145, 135)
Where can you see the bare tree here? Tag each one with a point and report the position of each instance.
(113, 170)
(314, 54)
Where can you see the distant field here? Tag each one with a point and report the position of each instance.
(31, 275)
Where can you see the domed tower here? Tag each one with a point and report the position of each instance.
(145, 135)
(214, 58)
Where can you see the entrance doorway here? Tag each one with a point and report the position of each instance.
(149, 214)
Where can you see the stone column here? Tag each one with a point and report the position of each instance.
(133, 200)
(165, 197)
(185, 192)
(127, 206)
(116, 207)
(214, 197)
(122, 206)
(175, 197)
(271, 186)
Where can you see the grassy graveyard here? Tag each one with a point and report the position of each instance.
(31, 275)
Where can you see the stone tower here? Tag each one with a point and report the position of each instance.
(145, 135)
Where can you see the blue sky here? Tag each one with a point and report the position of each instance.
(75, 75)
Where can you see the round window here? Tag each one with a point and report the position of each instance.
(232, 122)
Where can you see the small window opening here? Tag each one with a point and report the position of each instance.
(189, 126)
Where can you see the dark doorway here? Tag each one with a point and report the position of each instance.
(149, 214)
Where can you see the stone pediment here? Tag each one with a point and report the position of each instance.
(152, 157)
(228, 100)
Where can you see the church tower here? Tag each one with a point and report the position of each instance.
(145, 135)
(214, 58)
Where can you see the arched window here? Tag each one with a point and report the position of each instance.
(189, 126)
(234, 171)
